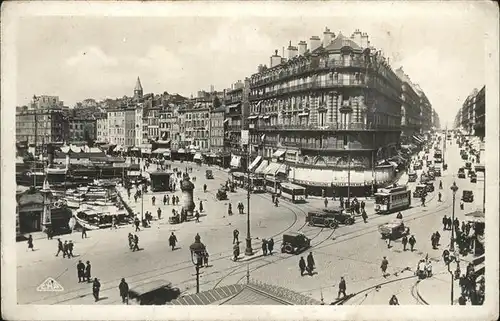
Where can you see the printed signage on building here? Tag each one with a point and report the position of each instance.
(244, 137)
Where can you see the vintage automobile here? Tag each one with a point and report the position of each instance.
(467, 196)
(175, 219)
(418, 165)
(431, 175)
(473, 177)
(321, 218)
(429, 162)
(412, 177)
(468, 165)
(420, 190)
(394, 229)
(157, 292)
(221, 194)
(341, 216)
(209, 174)
(461, 172)
(429, 187)
(295, 243)
(437, 171)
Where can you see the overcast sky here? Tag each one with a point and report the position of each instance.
(97, 57)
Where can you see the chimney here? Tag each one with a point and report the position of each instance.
(356, 37)
(327, 37)
(302, 47)
(290, 50)
(314, 42)
(275, 59)
(364, 43)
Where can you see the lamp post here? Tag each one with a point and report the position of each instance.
(454, 188)
(197, 251)
(248, 249)
(452, 276)
(444, 145)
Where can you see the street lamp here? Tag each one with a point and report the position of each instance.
(197, 252)
(454, 188)
(248, 249)
(452, 259)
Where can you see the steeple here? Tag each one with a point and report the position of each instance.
(138, 89)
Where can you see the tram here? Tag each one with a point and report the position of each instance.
(388, 200)
(293, 193)
(438, 157)
(238, 178)
(272, 184)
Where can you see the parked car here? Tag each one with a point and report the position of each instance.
(437, 171)
(342, 217)
(461, 172)
(221, 194)
(473, 177)
(412, 177)
(417, 165)
(209, 174)
(420, 190)
(320, 218)
(429, 187)
(394, 229)
(468, 165)
(295, 243)
(467, 196)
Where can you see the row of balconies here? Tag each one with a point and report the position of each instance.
(334, 127)
(319, 146)
(286, 74)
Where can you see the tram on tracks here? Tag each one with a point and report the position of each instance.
(388, 200)
(257, 183)
(272, 184)
(293, 193)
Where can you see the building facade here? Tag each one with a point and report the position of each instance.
(470, 118)
(194, 124)
(82, 129)
(102, 128)
(237, 105)
(425, 111)
(411, 122)
(41, 126)
(333, 105)
(121, 125)
(217, 130)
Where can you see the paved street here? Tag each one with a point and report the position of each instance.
(354, 252)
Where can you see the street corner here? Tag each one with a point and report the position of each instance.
(431, 289)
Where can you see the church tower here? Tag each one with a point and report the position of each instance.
(138, 90)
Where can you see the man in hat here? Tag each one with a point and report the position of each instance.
(88, 274)
(96, 287)
(123, 291)
(342, 287)
(80, 267)
(302, 266)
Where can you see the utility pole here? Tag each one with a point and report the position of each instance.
(248, 250)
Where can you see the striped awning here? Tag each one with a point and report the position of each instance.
(254, 163)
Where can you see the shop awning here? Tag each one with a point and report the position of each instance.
(476, 216)
(255, 162)
(235, 161)
(181, 151)
(418, 140)
(226, 120)
(393, 164)
(279, 153)
(262, 167)
(303, 114)
(134, 149)
(265, 117)
(162, 151)
(275, 168)
(252, 117)
(146, 150)
(198, 156)
(234, 105)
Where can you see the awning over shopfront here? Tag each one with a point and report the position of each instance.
(262, 167)
(197, 156)
(252, 117)
(393, 164)
(233, 105)
(134, 149)
(162, 151)
(279, 153)
(275, 168)
(235, 161)
(476, 216)
(255, 162)
(226, 120)
(181, 151)
(417, 139)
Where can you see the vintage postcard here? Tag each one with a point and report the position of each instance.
(249, 160)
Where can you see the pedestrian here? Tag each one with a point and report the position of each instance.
(96, 287)
(153, 200)
(204, 188)
(60, 247)
(136, 243)
(448, 223)
(276, 202)
(404, 241)
(65, 249)
(302, 266)
(445, 222)
(201, 206)
(236, 233)
(462, 300)
(136, 221)
(159, 213)
(412, 242)
(30, 243)
(88, 270)
(80, 268)
(310, 263)
(341, 200)
(130, 241)
(205, 258)
(272, 197)
(463, 227)
(229, 209)
(393, 300)
(164, 200)
(399, 216)
(383, 266)
(264, 247)
(172, 241)
(70, 249)
(364, 215)
(342, 287)
(326, 202)
(236, 251)
(422, 199)
(363, 204)
(323, 193)
(439, 197)
(168, 200)
(438, 237)
(433, 241)
(197, 216)
(123, 287)
(461, 205)
(270, 246)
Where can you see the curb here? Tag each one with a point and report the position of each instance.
(417, 290)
